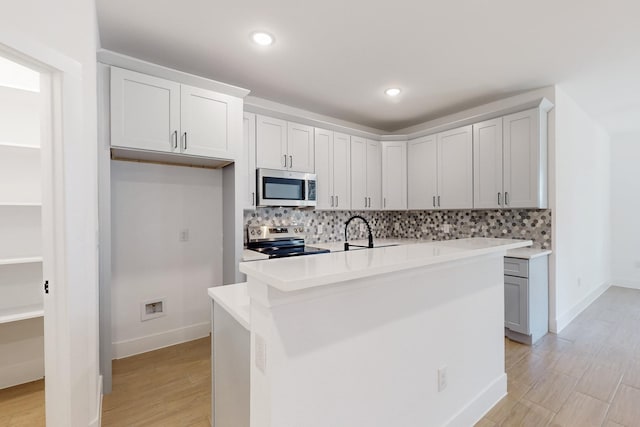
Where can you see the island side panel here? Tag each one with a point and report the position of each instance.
(367, 352)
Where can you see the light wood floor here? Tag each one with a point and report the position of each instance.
(589, 375)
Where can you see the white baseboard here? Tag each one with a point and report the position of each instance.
(623, 283)
(481, 404)
(160, 340)
(561, 322)
(97, 420)
(21, 373)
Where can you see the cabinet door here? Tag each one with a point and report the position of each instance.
(205, 118)
(271, 143)
(324, 168)
(522, 160)
(516, 304)
(145, 111)
(455, 169)
(394, 175)
(422, 173)
(374, 175)
(249, 150)
(341, 171)
(487, 165)
(358, 173)
(300, 148)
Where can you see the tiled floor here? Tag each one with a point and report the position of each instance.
(588, 375)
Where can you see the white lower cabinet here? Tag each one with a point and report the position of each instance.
(249, 155)
(440, 170)
(332, 164)
(394, 175)
(526, 298)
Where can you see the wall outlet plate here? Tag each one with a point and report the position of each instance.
(152, 309)
(446, 228)
(363, 228)
(319, 229)
(442, 378)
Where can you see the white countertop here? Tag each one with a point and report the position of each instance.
(298, 273)
(235, 300)
(249, 255)
(527, 253)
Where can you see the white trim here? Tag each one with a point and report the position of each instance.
(152, 342)
(97, 419)
(21, 373)
(13, 261)
(481, 404)
(624, 283)
(123, 61)
(558, 324)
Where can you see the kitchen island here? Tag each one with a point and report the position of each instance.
(408, 335)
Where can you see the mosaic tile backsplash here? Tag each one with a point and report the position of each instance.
(528, 224)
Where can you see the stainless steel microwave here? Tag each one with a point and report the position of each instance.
(285, 188)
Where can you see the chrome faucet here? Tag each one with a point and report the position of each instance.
(346, 227)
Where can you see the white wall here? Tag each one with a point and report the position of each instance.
(625, 206)
(581, 216)
(68, 27)
(150, 205)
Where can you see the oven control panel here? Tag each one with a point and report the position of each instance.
(279, 232)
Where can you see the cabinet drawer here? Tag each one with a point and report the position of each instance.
(516, 267)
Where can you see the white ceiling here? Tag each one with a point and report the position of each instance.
(336, 57)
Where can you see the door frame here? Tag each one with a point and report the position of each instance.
(61, 87)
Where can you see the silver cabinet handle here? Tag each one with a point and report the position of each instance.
(253, 199)
(331, 201)
(384, 202)
(175, 139)
(438, 201)
(337, 203)
(498, 198)
(185, 141)
(369, 201)
(285, 160)
(290, 161)
(506, 198)
(434, 201)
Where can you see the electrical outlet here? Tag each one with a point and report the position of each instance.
(260, 353)
(446, 228)
(579, 282)
(442, 378)
(184, 235)
(153, 309)
(363, 228)
(319, 229)
(396, 226)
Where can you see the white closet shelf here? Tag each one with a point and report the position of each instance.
(8, 315)
(31, 204)
(12, 261)
(15, 145)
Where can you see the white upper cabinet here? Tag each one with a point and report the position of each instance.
(324, 168)
(488, 192)
(271, 143)
(422, 173)
(145, 112)
(455, 169)
(359, 200)
(249, 155)
(341, 171)
(332, 165)
(205, 118)
(374, 175)
(154, 114)
(284, 145)
(394, 175)
(525, 159)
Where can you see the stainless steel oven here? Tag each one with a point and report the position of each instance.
(285, 188)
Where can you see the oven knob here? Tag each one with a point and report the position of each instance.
(295, 230)
(253, 232)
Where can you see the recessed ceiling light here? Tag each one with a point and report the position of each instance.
(394, 91)
(261, 38)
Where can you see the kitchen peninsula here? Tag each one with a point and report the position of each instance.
(408, 335)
